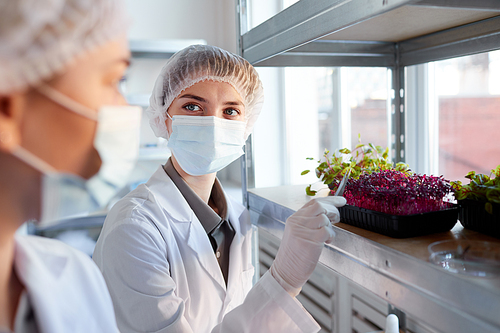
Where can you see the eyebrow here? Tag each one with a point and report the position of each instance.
(233, 103)
(201, 99)
(198, 98)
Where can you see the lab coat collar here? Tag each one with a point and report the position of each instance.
(185, 222)
(41, 274)
(177, 208)
(207, 216)
(237, 267)
(209, 262)
(64, 287)
(170, 197)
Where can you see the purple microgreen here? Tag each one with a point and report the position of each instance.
(398, 193)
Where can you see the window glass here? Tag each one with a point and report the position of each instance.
(367, 94)
(468, 94)
(260, 11)
(288, 3)
(319, 108)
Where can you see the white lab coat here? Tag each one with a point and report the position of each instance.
(163, 276)
(64, 287)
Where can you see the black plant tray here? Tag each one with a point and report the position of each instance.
(473, 216)
(399, 226)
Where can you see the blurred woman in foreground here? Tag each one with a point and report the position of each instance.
(60, 63)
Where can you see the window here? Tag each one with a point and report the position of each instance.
(468, 98)
(452, 120)
(260, 11)
(310, 109)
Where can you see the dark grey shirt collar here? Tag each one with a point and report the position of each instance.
(207, 216)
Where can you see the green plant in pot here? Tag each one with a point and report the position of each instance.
(363, 159)
(386, 198)
(479, 201)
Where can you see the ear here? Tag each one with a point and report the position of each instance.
(11, 109)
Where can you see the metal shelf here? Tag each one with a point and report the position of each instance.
(373, 33)
(383, 33)
(396, 270)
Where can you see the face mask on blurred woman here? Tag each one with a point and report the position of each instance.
(116, 140)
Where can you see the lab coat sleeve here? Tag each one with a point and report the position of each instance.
(133, 260)
(268, 308)
(134, 264)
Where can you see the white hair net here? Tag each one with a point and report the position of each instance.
(39, 38)
(198, 63)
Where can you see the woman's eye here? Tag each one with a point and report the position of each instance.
(231, 112)
(192, 107)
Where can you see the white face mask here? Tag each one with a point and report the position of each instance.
(55, 183)
(117, 141)
(203, 145)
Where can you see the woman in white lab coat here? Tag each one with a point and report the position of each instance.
(60, 62)
(176, 252)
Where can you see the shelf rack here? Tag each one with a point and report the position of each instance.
(373, 33)
(392, 34)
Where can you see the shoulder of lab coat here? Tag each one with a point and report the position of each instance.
(65, 288)
(134, 240)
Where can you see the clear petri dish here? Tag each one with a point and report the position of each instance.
(475, 258)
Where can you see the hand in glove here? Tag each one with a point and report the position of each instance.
(305, 234)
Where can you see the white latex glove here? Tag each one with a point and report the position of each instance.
(306, 232)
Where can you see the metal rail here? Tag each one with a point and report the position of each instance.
(291, 37)
(308, 20)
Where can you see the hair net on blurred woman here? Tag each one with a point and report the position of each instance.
(180, 247)
(60, 63)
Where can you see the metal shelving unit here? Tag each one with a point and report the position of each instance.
(392, 34)
(373, 33)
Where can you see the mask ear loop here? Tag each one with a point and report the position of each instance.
(33, 161)
(172, 121)
(66, 102)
